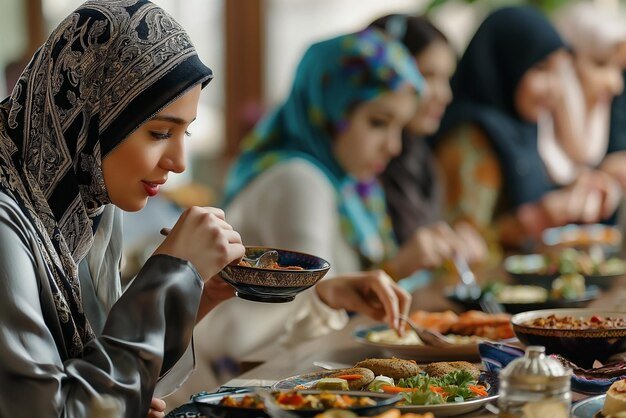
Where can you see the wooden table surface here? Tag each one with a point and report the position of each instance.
(340, 347)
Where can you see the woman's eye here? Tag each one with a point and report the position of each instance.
(187, 133)
(378, 123)
(161, 135)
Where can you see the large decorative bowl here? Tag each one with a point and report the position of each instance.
(275, 285)
(581, 346)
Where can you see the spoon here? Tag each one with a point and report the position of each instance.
(469, 289)
(434, 338)
(265, 260)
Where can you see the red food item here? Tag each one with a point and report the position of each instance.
(290, 398)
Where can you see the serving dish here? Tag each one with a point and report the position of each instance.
(591, 293)
(208, 404)
(440, 410)
(581, 346)
(418, 352)
(543, 269)
(275, 285)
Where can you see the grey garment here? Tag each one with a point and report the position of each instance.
(145, 333)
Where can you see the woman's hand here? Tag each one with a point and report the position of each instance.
(614, 164)
(371, 293)
(157, 408)
(594, 196)
(203, 237)
(431, 245)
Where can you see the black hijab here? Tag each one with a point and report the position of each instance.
(507, 44)
(105, 70)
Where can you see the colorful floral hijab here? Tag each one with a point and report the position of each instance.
(106, 69)
(332, 78)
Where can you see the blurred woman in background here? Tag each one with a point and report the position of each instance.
(580, 124)
(487, 145)
(412, 181)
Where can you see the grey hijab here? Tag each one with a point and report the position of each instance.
(106, 69)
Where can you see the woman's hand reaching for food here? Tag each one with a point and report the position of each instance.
(371, 293)
(431, 245)
(203, 237)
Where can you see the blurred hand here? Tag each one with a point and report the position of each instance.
(371, 293)
(594, 196)
(204, 238)
(614, 164)
(157, 408)
(472, 247)
(431, 245)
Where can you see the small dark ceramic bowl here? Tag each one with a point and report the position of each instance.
(581, 346)
(273, 285)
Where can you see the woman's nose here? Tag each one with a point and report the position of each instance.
(174, 158)
(394, 144)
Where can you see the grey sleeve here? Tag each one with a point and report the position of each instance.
(146, 331)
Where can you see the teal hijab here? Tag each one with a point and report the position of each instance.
(333, 77)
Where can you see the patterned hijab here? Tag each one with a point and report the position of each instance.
(332, 78)
(106, 69)
(507, 44)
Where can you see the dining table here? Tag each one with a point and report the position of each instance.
(264, 368)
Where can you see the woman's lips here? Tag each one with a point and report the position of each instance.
(152, 189)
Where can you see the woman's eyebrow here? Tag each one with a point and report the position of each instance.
(173, 119)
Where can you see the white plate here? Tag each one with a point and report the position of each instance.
(418, 352)
(589, 408)
(442, 410)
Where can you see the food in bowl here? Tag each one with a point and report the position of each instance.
(570, 322)
(273, 266)
(615, 401)
(568, 286)
(582, 336)
(275, 285)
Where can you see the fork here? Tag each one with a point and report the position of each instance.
(429, 337)
(469, 288)
(490, 305)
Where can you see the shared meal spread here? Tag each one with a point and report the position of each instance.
(569, 322)
(435, 383)
(293, 400)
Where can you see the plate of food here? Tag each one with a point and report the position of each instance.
(568, 291)
(610, 405)
(443, 388)
(582, 235)
(466, 330)
(543, 269)
(300, 403)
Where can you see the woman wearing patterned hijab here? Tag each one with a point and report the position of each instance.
(295, 186)
(487, 145)
(95, 123)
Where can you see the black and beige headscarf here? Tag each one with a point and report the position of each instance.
(105, 70)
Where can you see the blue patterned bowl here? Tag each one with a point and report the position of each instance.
(580, 346)
(274, 285)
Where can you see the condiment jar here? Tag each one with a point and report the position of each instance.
(535, 386)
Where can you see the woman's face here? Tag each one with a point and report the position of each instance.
(436, 63)
(601, 80)
(374, 133)
(540, 87)
(139, 165)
